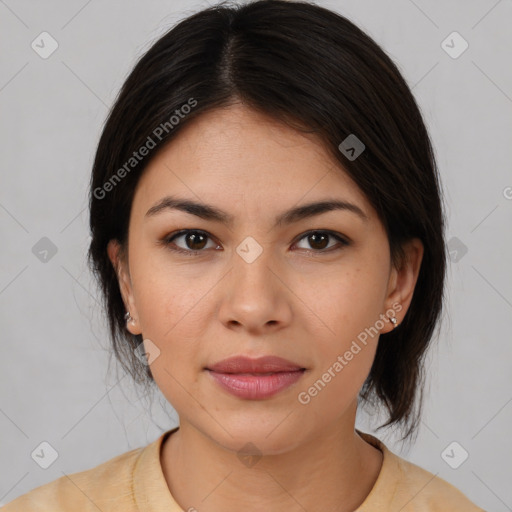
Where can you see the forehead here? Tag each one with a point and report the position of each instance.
(238, 134)
(235, 154)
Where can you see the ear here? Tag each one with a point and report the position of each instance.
(402, 282)
(125, 284)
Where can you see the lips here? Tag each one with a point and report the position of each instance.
(255, 379)
(259, 366)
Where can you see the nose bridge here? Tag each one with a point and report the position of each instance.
(254, 286)
(252, 261)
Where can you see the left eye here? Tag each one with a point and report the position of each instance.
(317, 239)
(195, 241)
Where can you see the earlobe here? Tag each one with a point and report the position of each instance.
(130, 323)
(125, 287)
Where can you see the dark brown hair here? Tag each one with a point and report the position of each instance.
(315, 70)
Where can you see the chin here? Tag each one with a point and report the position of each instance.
(253, 438)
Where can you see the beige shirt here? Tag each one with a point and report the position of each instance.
(134, 482)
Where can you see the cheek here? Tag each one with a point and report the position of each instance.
(171, 317)
(172, 308)
(346, 301)
(345, 354)
(168, 297)
(336, 384)
(349, 303)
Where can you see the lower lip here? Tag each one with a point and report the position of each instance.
(254, 387)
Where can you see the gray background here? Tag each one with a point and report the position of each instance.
(57, 383)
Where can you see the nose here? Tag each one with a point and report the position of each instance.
(255, 295)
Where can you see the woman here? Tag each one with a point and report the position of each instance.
(268, 233)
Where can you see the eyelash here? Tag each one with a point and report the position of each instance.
(168, 241)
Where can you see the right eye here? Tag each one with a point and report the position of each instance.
(193, 239)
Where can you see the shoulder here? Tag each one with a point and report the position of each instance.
(405, 486)
(426, 491)
(105, 487)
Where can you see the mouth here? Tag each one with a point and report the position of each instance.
(256, 385)
(255, 379)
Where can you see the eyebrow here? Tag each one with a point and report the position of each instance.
(212, 213)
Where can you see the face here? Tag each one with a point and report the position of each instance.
(313, 289)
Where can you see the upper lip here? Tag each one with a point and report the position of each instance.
(265, 364)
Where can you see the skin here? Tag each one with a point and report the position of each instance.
(299, 300)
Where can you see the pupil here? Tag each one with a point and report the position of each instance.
(193, 237)
(316, 237)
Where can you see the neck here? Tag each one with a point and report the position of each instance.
(335, 469)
